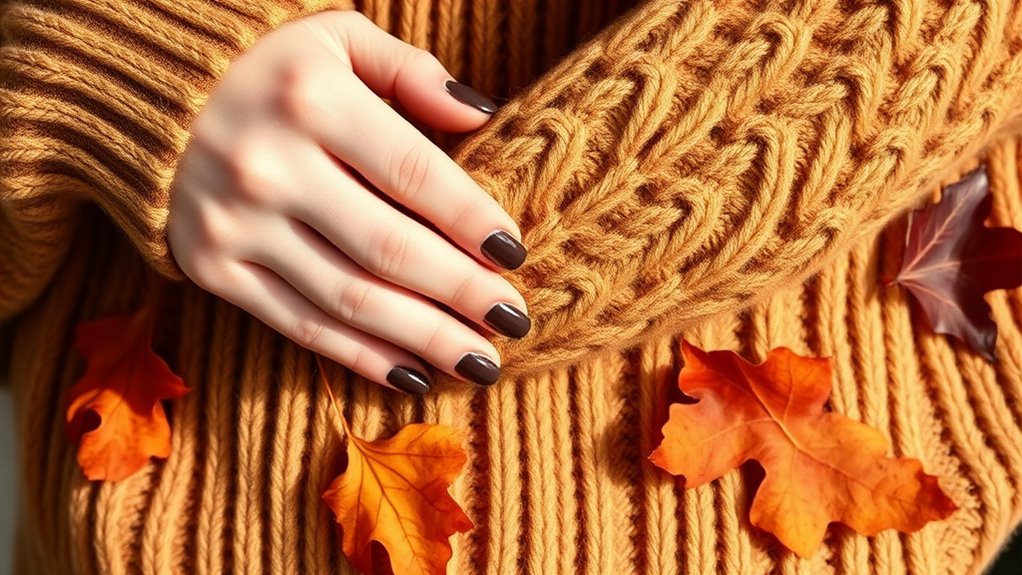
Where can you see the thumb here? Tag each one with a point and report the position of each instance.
(396, 70)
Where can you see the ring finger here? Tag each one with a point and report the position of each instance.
(346, 291)
(267, 296)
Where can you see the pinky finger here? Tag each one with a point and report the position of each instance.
(266, 295)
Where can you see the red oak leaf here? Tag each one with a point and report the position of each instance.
(951, 260)
(114, 409)
(820, 466)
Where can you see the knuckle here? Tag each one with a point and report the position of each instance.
(412, 171)
(388, 251)
(417, 57)
(428, 346)
(424, 59)
(472, 209)
(254, 171)
(214, 231)
(205, 272)
(199, 232)
(306, 331)
(462, 292)
(299, 95)
(359, 362)
(352, 299)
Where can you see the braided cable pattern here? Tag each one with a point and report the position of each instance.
(694, 156)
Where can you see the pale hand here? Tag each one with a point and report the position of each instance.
(281, 205)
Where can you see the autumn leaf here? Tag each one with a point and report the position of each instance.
(114, 409)
(820, 466)
(951, 260)
(394, 491)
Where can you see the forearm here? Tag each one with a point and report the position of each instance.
(698, 156)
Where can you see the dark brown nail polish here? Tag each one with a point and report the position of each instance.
(508, 320)
(407, 379)
(503, 249)
(468, 95)
(478, 368)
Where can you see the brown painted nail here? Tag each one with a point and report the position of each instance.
(468, 95)
(407, 379)
(508, 320)
(503, 249)
(478, 368)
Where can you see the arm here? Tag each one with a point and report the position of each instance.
(96, 99)
(696, 156)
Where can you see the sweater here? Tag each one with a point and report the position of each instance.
(731, 172)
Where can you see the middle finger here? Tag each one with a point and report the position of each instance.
(399, 249)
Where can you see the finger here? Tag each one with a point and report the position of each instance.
(394, 69)
(343, 289)
(397, 248)
(265, 295)
(406, 166)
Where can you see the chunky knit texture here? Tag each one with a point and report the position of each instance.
(730, 171)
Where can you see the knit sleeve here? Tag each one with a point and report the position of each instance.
(696, 156)
(96, 100)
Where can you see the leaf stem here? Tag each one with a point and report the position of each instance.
(330, 392)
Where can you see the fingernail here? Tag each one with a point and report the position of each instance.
(409, 380)
(478, 369)
(508, 320)
(503, 249)
(468, 95)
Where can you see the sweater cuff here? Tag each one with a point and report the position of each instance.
(98, 97)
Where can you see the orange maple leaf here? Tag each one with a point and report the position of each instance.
(820, 466)
(114, 409)
(394, 491)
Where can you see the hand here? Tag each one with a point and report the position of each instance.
(296, 199)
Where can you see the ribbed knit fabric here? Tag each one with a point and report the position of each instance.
(733, 172)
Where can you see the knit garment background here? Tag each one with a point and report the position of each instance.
(733, 172)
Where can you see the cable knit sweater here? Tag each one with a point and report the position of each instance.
(730, 171)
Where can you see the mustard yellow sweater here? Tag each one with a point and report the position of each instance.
(730, 171)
